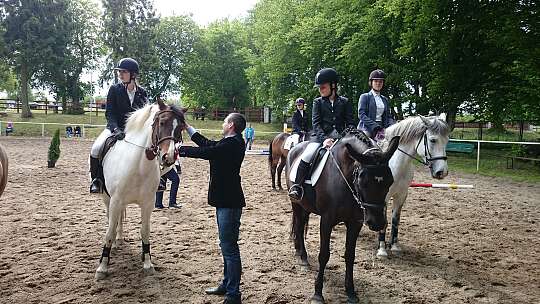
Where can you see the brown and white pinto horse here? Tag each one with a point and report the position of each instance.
(277, 156)
(132, 168)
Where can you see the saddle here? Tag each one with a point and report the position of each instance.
(107, 145)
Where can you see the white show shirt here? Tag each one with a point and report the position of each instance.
(380, 106)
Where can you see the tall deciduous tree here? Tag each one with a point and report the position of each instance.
(172, 47)
(34, 34)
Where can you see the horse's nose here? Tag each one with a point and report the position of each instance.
(376, 225)
(439, 174)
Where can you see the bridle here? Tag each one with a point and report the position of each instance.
(153, 150)
(428, 157)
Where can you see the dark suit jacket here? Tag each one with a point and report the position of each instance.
(300, 124)
(326, 118)
(225, 156)
(118, 105)
(367, 113)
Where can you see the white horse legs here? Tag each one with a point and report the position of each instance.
(146, 211)
(113, 216)
(394, 246)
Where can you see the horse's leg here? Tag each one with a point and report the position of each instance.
(381, 250)
(114, 213)
(353, 229)
(324, 255)
(120, 229)
(300, 219)
(273, 166)
(146, 211)
(396, 215)
(279, 170)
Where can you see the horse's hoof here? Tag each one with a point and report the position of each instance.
(149, 271)
(382, 254)
(119, 242)
(280, 188)
(100, 275)
(316, 299)
(396, 249)
(302, 262)
(353, 299)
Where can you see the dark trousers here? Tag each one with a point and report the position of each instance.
(175, 181)
(228, 220)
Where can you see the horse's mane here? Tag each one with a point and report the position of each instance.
(358, 134)
(137, 119)
(413, 128)
(178, 111)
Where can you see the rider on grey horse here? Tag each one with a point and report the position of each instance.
(331, 115)
(373, 108)
(122, 99)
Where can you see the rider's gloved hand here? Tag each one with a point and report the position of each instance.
(328, 142)
(119, 134)
(379, 135)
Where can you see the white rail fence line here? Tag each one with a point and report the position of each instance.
(43, 124)
(491, 142)
(478, 142)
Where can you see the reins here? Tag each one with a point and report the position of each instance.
(428, 157)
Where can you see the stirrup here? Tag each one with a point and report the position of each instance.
(296, 192)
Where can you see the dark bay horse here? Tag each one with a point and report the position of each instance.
(3, 169)
(352, 189)
(277, 156)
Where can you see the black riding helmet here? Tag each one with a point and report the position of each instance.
(376, 74)
(128, 64)
(326, 75)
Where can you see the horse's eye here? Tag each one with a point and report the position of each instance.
(433, 140)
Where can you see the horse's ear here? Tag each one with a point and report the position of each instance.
(392, 147)
(442, 117)
(355, 155)
(161, 104)
(425, 121)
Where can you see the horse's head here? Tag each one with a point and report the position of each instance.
(432, 147)
(167, 128)
(372, 177)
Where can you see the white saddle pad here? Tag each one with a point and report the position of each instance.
(291, 141)
(316, 173)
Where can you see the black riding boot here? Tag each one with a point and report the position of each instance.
(97, 183)
(297, 191)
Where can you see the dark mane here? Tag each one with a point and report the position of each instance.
(358, 134)
(176, 110)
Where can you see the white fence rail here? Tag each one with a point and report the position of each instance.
(83, 131)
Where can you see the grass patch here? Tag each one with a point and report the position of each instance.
(493, 163)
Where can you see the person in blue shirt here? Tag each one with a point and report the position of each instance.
(250, 136)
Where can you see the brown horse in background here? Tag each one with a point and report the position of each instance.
(3, 169)
(277, 157)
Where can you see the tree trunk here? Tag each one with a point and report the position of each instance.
(76, 107)
(64, 104)
(26, 113)
(451, 119)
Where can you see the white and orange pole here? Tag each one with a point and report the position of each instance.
(441, 186)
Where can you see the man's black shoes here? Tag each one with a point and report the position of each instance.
(217, 291)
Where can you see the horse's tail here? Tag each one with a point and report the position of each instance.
(270, 159)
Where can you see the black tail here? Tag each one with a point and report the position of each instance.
(270, 159)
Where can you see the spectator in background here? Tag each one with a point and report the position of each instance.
(69, 131)
(9, 128)
(77, 132)
(250, 136)
(174, 176)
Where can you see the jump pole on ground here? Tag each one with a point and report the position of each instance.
(441, 186)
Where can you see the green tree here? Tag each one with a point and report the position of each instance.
(34, 34)
(173, 45)
(129, 31)
(215, 74)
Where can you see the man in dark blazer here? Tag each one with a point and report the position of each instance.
(373, 108)
(225, 193)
